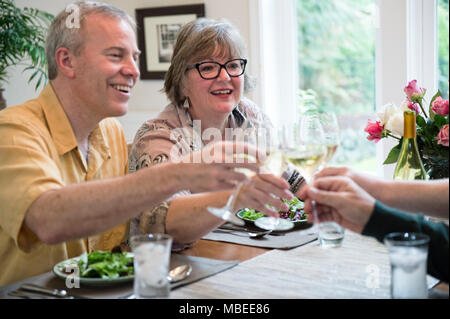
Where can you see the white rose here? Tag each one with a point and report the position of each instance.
(395, 123)
(391, 116)
(386, 112)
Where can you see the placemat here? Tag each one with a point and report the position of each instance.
(201, 268)
(301, 234)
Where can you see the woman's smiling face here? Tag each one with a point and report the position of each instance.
(216, 97)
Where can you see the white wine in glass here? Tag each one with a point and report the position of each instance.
(331, 150)
(308, 160)
(304, 145)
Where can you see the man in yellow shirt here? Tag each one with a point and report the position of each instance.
(63, 159)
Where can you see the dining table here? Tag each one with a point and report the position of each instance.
(358, 269)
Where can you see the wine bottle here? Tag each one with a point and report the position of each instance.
(409, 163)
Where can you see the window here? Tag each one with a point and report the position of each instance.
(336, 60)
(353, 57)
(443, 47)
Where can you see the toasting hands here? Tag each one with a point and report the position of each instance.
(339, 199)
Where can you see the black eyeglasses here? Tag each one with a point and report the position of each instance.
(211, 70)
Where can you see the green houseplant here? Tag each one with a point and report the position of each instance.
(22, 41)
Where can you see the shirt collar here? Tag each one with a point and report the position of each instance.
(61, 129)
(57, 121)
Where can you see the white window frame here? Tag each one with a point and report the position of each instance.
(405, 42)
(273, 55)
(422, 27)
(406, 49)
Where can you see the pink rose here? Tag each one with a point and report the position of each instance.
(442, 137)
(375, 131)
(440, 106)
(412, 106)
(413, 92)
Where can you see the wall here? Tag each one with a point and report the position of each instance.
(146, 100)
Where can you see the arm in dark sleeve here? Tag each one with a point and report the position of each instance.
(385, 220)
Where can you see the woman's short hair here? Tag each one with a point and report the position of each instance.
(196, 41)
(67, 33)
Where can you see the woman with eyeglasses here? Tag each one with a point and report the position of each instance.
(205, 85)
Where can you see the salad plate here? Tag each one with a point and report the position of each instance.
(267, 224)
(69, 268)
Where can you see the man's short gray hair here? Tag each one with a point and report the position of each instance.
(63, 32)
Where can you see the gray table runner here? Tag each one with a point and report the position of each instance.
(201, 268)
(300, 235)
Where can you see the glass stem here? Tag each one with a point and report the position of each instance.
(233, 197)
(316, 218)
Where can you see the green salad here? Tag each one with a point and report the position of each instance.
(250, 213)
(294, 213)
(105, 265)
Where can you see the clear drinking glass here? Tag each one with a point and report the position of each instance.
(151, 265)
(408, 256)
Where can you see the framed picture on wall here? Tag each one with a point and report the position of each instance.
(157, 30)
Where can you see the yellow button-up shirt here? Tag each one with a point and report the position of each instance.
(39, 152)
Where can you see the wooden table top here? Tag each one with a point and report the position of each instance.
(223, 251)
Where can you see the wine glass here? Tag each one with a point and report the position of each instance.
(304, 147)
(331, 130)
(248, 135)
(275, 164)
(307, 151)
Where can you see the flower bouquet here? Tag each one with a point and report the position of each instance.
(431, 129)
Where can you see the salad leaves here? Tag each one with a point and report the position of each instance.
(106, 265)
(250, 213)
(294, 213)
(295, 206)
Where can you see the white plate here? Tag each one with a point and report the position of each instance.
(265, 223)
(58, 270)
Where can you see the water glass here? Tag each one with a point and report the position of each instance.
(408, 255)
(330, 234)
(151, 265)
